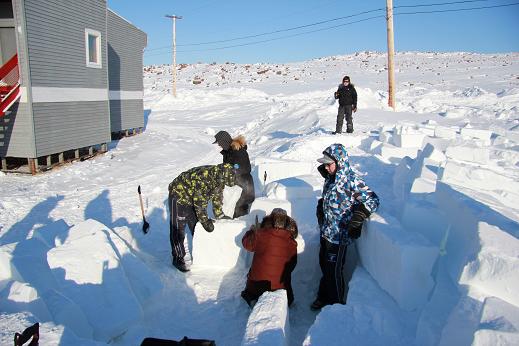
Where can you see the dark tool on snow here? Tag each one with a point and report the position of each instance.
(264, 184)
(145, 224)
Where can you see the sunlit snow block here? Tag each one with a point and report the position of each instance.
(394, 154)
(445, 132)
(499, 324)
(401, 262)
(484, 135)
(494, 270)
(502, 187)
(221, 247)
(268, 322)
(409, 140)
(470, 154)
(89, 270)
(263, 206)
(276, 169)
(289, 189)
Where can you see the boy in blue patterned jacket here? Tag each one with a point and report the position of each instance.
(346, 202)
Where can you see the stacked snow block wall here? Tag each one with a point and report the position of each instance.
(268, 322)
(46, 282)
(441, 175)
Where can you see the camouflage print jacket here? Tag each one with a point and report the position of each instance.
(199, 185)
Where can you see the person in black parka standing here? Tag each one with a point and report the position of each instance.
(234, 151)
(347, 96)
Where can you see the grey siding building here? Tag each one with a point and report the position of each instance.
(80, 68)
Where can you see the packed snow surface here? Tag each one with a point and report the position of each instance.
(438, 264)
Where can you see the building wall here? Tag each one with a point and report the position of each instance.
(125, 49)
(69, 100)
(16, 128)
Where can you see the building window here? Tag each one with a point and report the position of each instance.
(93, 48)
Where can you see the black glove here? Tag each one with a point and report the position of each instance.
(354, 226)
(319, 212)
(336, 95)
(209, 225)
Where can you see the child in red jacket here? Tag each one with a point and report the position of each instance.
(275, 256)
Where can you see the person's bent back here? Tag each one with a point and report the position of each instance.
(275, 256)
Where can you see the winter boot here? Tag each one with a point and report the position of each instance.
(349, 129)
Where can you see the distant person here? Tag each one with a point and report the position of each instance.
(234, 152)
(347, 96)
(346, 202)
(275, 256)
(189, 196)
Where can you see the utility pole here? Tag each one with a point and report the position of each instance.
(174, 68)
(390, 53)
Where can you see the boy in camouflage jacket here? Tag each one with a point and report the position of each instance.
(189, 196)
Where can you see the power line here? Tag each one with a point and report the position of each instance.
(340, 25)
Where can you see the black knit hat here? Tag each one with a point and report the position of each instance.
(223, 138)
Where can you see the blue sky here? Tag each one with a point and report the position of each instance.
(488, 30)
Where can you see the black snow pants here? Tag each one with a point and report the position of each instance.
(344, 112)
(179, 216)
(247, 194)
(331, 261)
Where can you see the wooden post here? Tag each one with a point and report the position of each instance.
(174, 67)
(90, 150)
(390, 53)
(4, 164)
(104, 148)
(76, 153)
(61, 157)
(49, 160)
(32, 165)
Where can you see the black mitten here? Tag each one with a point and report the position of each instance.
(319, 212)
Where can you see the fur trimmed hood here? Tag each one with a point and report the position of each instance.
(280, 221)
(238, 142)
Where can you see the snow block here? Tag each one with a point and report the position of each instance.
(8, 271)
(277, 169)
(401, 262)
(370, 317)
(484, 135)
(425, 218)
(289, 189)
(504, 188)
(19, 297)
(65, 312)
(401, 184)
(445, 132)
(469, 154)
(394, 154)
(222, 247)
(408, 140)
(494, 271)
(88, 269)
(499, 324)
(268, 322)
(263, 206)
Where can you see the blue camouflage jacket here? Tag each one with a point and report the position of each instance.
(341, 192)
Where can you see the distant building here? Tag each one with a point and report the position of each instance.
(70, 76)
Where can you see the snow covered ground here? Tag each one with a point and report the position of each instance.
(438, 264)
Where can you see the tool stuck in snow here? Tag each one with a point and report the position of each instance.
(145, 224)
